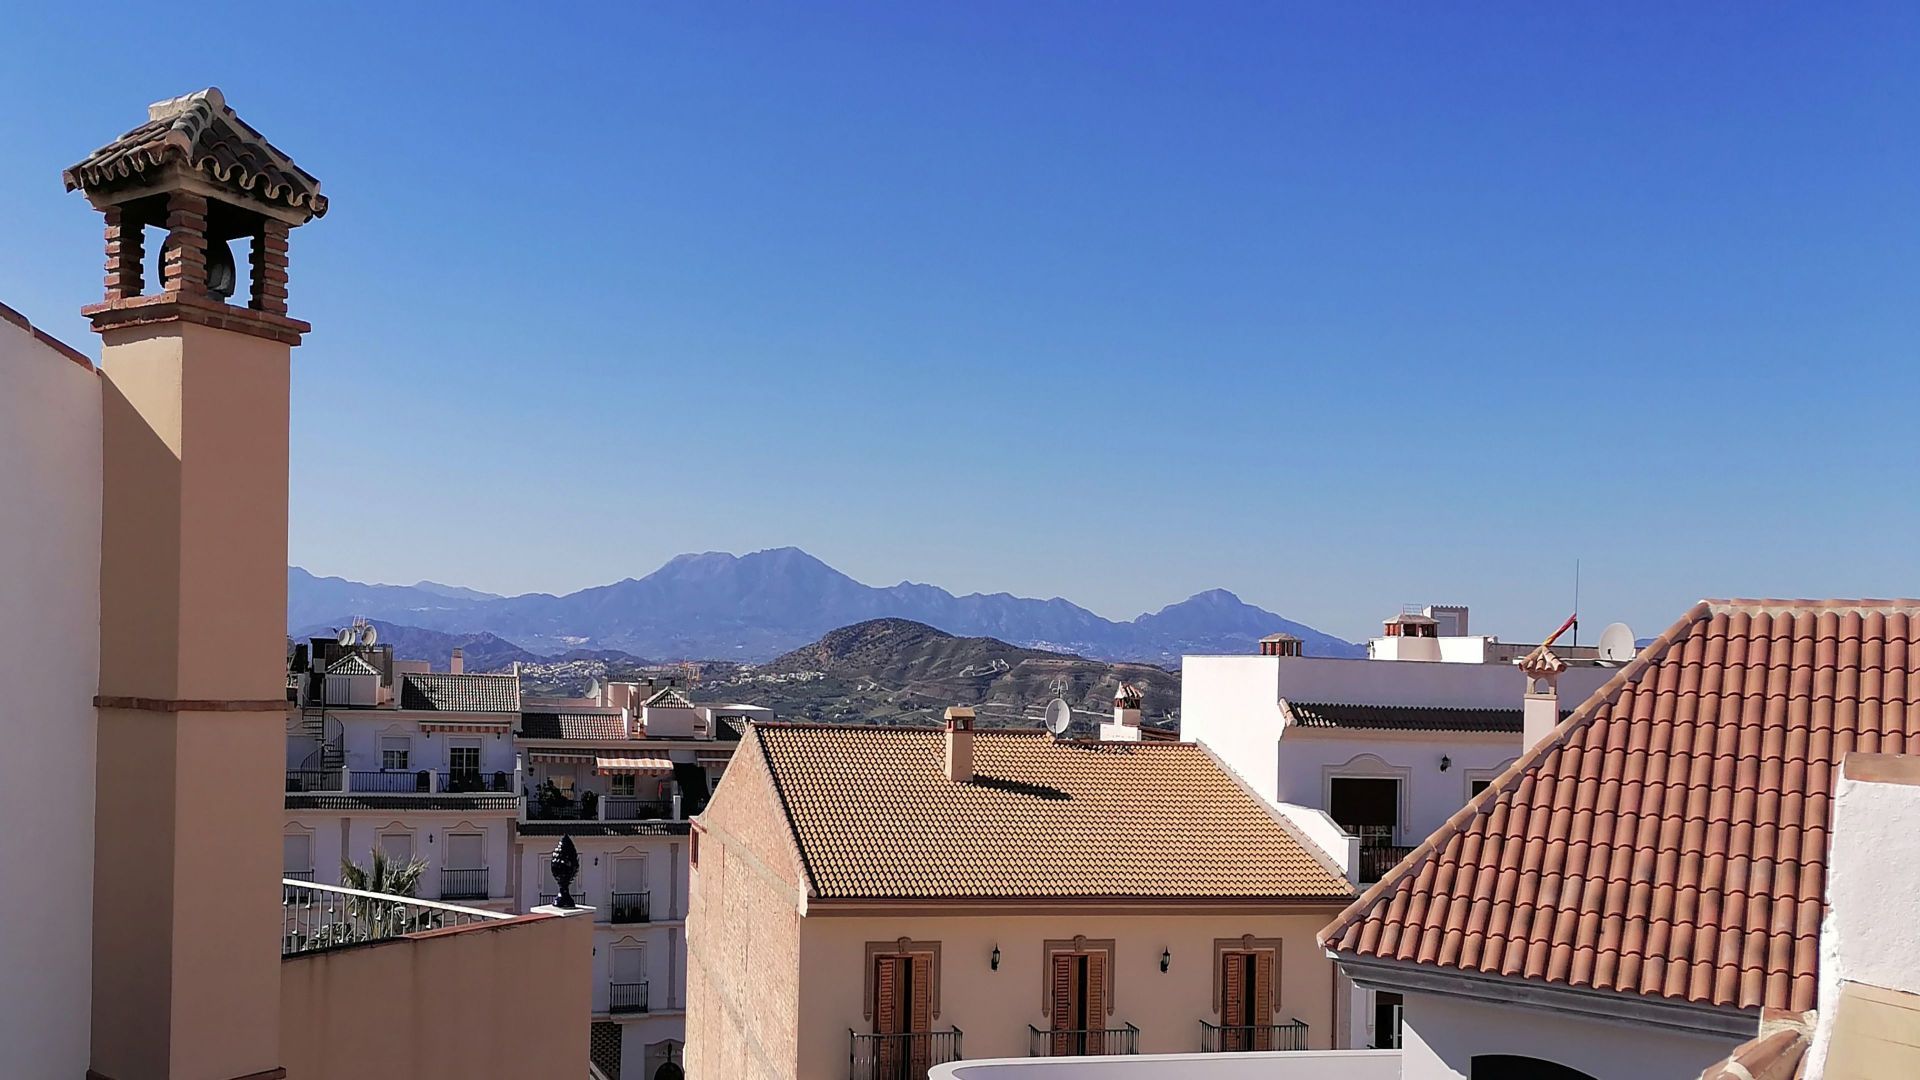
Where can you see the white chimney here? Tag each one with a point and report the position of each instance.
(960, 744)
(459, 664)
(1125, 726)
(1540, 708)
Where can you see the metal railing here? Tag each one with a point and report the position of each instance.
(391, 782)
(634, 808)
(1232, 1038)
(463, 884)
(903, 1056)
(318, 917)
(1082, 1042)
(1377, 859)
(466, 781)
(313, 779)
(627, 997)
(629, 907)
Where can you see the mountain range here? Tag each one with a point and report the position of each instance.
(754, 607)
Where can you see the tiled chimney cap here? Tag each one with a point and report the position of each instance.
(1128, 696)
(960, 716)
(199, 133)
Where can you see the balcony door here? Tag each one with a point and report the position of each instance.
(1079, 1001)
(902, 1015)
(1246, 1000)
(629, 900)
(463, 765)
(1369, 808)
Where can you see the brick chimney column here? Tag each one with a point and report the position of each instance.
(960, 744)
(183, 266)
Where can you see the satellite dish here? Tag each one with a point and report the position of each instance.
(1616, 643)
(346, 637)
(369, 635)
(1059, 717)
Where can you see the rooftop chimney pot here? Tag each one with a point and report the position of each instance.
(459, 663)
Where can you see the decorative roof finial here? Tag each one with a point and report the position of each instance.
(565, 865)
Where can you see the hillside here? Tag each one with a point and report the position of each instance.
(755, 607)
(900, 671)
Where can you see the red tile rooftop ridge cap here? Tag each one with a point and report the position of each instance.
(1882, 768)
(7, 314)
(1839, 606)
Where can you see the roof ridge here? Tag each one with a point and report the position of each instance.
(1416, 860)
(1752, 605)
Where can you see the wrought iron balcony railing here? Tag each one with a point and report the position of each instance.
(1232, 1038)
(1377, 859)
(462, 782)
(629, 907)
(314, 917)
(314, 780)
(633, 808)
(903, 1056)
(463, 884)
(627, 997)
(1082, 1042)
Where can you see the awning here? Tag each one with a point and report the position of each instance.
(559, 756)
(481, 727)
(635, 764)
(713, 759)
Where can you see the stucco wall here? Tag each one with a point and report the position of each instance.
(50, 443)
(503, 1000)
(993, 1008)
(1232, 704)
(1441, 1035)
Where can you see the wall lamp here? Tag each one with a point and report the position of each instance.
(1445, 763)
(994, 961)
(1166, 959)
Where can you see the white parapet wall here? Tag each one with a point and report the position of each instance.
(1277, 1065)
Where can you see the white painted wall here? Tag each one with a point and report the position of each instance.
(1308, 757)
(50, 669)
(1441, 1035)
(1232, 704)
(1278, 1065)
(1870, 934)
(664, 938)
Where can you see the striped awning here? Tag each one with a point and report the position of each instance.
(560, 756)
(635, 764)
(481, 727)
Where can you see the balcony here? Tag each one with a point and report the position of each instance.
(904, 1056)
(315, 918)
(626, 997)
(1377, 859)
(399, 789)
(1082, 1042)
(1267, 1065)
(463, 884)
(629, 907)
(1243, 1038)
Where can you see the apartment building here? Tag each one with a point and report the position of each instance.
(387, 754)
(1366, 756)
(145, 529)
(870, 902)
(620, 772)
(1643, 889)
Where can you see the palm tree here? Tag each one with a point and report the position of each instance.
(368, 919)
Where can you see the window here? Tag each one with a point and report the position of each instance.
(1477, 787)
(627, 991)
(902, 1005)
(622, 784)
(296, 858)
(1246, 1000)
(1386, 1020)
(394, 752)
(1079, 1003)
(466, 851)
(629, 899)
(463, 765)
(398, 847)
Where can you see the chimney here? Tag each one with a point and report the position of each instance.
(194, 384)
(1540, 708)
(458, 665)
(960, 744)
(1125, 725)
(1281, 645)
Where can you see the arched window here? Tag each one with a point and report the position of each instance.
(1519, 1067)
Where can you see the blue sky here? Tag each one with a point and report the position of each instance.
(1336, 306)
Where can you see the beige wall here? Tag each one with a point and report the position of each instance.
(503, 1000)
(743, 932)
(993, 1008)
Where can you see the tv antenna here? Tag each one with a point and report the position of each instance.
(1059, 717)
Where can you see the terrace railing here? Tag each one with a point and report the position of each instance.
(629, 907)
(315, 918)
(1233, 1038)
(1082, 1042)
(627, 997)
(903, 1056)
(463, 884)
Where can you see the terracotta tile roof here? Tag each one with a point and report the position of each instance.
(1669, 838)
(352, 664)
(1314, 714)
(200, 132)
(597, 726)
(1777, 1053)
(876, 817)
(668, 698)
(460, 693)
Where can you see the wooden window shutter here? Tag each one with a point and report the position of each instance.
(1096, 990)
(886, 995)
(1263, 995)
(1233, 1001)
(922, 992)
(1063, 997)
